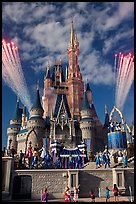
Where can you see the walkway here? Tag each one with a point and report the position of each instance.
(121, 199)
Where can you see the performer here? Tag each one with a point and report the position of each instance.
(76, 192)
(107, 194)
(112, 127)
(12, 152)
(70, 163)
(78, 161)
(67, 195)
(97, 160)
(125, 159)
(58, 162)
(44, 195)
(120, 157)
(101, 158)
(106, 160)
(92, 196)
(47, 161)
(29, 155)
(43, 153)
(35, 158)
(115, 191)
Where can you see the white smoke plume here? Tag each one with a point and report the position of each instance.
(12, 73)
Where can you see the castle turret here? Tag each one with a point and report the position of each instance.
(89, 94)
(75, 90)
(36, 122)
(14, 128)
(87, 124)
(47, 86)
(24, 118)
(106, 123)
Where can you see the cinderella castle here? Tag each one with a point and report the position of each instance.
(65, 114)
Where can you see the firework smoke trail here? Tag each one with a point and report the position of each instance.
(128, 84)
(124, 79)
(114, 88)
(12, 72)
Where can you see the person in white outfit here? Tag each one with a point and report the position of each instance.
(43, 153)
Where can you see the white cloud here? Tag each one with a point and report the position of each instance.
(95, 70)
(111, 42)
(45, 29)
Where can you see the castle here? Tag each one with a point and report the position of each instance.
(66, 113)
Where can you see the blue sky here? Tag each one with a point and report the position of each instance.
(41, 32)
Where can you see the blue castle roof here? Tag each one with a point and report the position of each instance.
(86, 119)
(18, 112)
(58, 103)
(48, 76)
(106, 123)
(14, 125)
(88, 87)
(24, 110)
(37, 103)
(23, 131)
(85, 105)
(36, 118)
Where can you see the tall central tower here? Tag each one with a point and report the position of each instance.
(75, 90)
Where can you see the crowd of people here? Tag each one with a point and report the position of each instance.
(41, 158)
(70, 196)
(104, 158)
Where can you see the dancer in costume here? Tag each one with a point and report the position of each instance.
(67, 195)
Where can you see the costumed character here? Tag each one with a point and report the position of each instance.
(106, 159)
(125, 159)
(67, 195)
(76, 192)
(70, 163)
(47, 161)
(101, 158)
(43, 153)
(58, 162)
(35, 158)
(12, 152)
(78, 161)
(97, 160)
(112, 127)
(29, 155)
(118, 126)
(44, 195)
(120, 157)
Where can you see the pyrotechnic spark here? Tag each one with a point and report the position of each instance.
(12, 72)
(124, 76)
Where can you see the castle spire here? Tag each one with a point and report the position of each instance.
(72, 36)
(48, 66)
(17, 98)
(55, 61)
(37, 85)
(66, 73)
(84, 86)
(60, 62)
(48, 70)
(106, 110)
(106, 123)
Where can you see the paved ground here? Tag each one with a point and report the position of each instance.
(121, 199)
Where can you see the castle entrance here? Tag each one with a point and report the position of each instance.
(22, 186)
